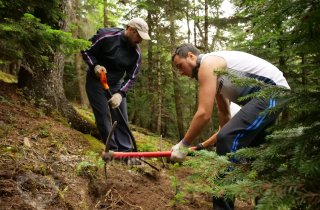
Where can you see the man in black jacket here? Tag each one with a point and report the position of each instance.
(116, 52)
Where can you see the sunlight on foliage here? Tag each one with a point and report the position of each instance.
(95, 145)
(86, 113)
(150, 143)
(8, 78)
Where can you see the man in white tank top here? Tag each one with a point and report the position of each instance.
(247, 127)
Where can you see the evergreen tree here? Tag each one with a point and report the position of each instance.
(285, 172)
(38, 36)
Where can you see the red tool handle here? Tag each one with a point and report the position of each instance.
(192, 148)
(119, 155)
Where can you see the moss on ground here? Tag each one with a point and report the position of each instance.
(95, 145)
(85, 113)
(8, 78)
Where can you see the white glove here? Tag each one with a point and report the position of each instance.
(98, 69)
(115, 100)
(179, 151)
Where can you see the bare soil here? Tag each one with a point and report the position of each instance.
(40, 159)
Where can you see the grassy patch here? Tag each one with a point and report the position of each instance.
(85, 113)
(8, 78)
(151, 143)
(91, 164)
(146, 141)
(95, 145)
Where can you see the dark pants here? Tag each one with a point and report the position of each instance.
(105, 115)
(245, 129)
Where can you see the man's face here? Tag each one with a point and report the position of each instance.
(185, 65)
(133, 36)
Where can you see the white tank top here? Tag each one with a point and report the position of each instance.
(246, 65)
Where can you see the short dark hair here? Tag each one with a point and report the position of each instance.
(183, 50)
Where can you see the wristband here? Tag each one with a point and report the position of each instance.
(199, 147)
(186, 144)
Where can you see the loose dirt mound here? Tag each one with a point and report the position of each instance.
(44, 164)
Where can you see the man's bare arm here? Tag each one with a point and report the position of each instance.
(223, 105)
(207, 91)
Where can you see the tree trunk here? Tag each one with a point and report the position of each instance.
(159, 104)
(78, 58)
(188, 22)
(14, 67)
(283, 67)
(46, 82)
(150, 70)
(105, 14)
(194, 24)
(81, 81)
(176, 85)
(206, 26)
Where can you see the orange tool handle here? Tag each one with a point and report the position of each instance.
(103, 80)
(105, 86)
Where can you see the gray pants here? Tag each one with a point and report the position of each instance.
(105, 115)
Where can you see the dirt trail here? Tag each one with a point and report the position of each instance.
(44, 164)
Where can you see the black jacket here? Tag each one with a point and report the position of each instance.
(111, 49)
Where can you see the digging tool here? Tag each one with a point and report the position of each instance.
(109, 155)
(106, 149)
(114, 125)
(103, 80)
(118, 155)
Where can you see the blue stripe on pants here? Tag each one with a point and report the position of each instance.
(256, 123)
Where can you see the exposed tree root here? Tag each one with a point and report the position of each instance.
(113, 200)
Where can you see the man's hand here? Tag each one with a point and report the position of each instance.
(179, 151)
(115, 100)
(98, 69)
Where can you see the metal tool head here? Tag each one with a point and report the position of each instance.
(114, 125)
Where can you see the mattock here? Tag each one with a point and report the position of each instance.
(109, 155)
